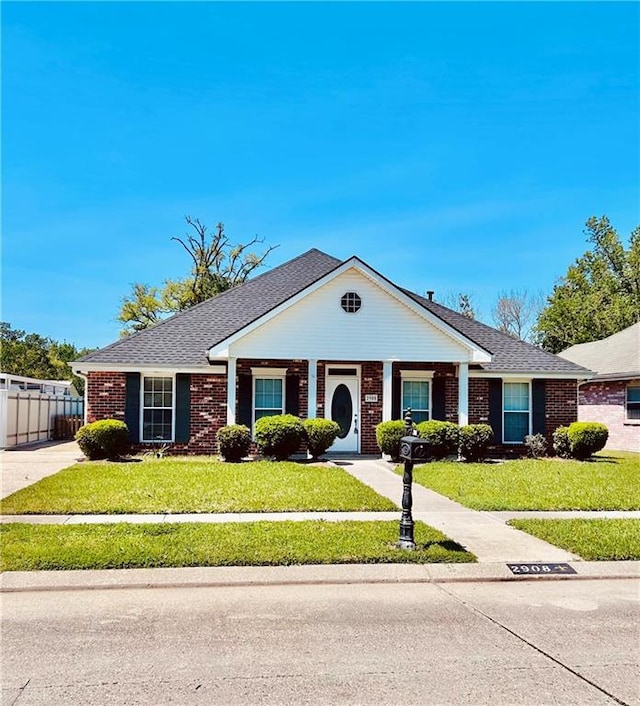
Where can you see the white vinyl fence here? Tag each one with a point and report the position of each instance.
(27, 416)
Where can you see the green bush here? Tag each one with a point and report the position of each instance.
(234, 442)
(585, 438)
(561, 444)
(106, 438)
(443, 437)
(321, 433)
(388, 435)
(279, 435)
(474, 441)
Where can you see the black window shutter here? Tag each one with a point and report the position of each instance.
(438, 399)
(183, 407)
(245, 397)
(132, 406)
(538, 393)
(396, 398)
(495, 408)
(291, 396)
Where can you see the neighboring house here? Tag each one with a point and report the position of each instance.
(318, 337)
(613, 395)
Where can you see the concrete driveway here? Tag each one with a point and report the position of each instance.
(26, 465)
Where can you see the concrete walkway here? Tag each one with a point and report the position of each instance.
(26, 465)
(486, 536)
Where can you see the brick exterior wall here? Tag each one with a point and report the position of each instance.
(478, 401)
(106, 394)
(561, 405)
(106, 400)
(605, 402)
(446, 371)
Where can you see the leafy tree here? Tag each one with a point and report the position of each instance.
(35, 356)
(599, 295)
(216, 265)
(515, 312)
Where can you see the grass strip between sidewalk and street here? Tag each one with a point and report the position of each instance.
(28, 547)
(591, 539)
(203, 485)
(608, 482)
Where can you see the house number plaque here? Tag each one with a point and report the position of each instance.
(371, 398)
(541, 569)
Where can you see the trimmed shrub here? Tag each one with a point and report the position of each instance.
(87, 443)
(388, 435)
(536, 444)
(234, 442)
(585, 438)
(474, 441)
(106, 438)
(443, 437)
(561, 442)
(321, 433)
(279, 436)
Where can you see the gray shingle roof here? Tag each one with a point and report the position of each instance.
(185, 338)
(508, 353)
(617, 355)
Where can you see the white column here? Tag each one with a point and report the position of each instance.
(463, 394)
(231, 391)
(387, 390)
(312, 389)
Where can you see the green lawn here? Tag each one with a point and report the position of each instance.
(179, 485)
(593, 540)
(44, 547)
(610, 482)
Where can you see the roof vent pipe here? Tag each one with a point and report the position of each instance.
(430, 294)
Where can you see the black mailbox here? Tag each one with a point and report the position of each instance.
(414, 449)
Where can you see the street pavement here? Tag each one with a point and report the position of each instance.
(414, 643)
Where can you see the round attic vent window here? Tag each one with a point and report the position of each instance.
(351, 302)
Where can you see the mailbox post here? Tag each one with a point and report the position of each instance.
(411, 449)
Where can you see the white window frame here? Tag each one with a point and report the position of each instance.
(627, 418)
(529, 411)
(417, 376)
(267, 374)
(173, 407)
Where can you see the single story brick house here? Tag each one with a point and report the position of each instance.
(613, 395)
(318, 337)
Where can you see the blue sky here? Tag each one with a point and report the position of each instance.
(454, 146)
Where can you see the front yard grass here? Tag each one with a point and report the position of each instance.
(593, 540)
(28, 547)
(610, 481)
(179, 485)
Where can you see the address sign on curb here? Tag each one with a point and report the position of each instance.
(541, 569)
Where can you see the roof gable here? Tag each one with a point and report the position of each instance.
(388, 326)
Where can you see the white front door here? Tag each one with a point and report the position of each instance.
(342, 405)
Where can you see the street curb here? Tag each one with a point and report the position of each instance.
(336, 574)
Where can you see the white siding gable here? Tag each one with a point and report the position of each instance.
(317, 327)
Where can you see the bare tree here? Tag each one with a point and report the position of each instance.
(460, 302)
(515, 312)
